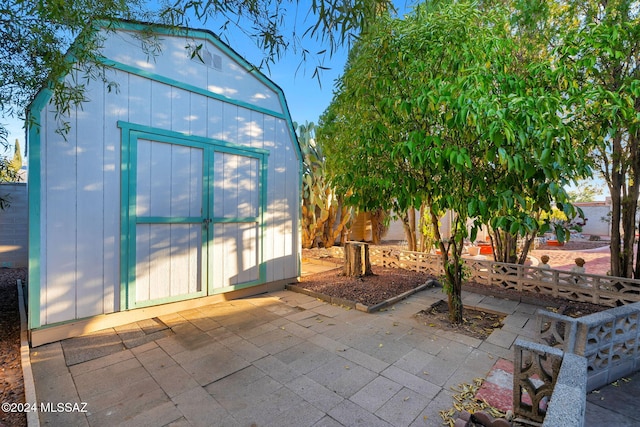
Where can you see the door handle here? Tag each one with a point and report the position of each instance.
(206, 222)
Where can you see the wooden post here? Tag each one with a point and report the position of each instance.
(356, 259)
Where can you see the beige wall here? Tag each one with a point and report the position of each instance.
(14, 226)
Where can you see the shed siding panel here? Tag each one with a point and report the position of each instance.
(244, 127)
(256, 130)
(139, 100)
(225, 249)
(214, 119)
(143, 261)
(236, 185)
(229, 123)
(159, 268)
(90, 204)
(180, 110)
(198, 116)
(179, 264)
(60, 220)
(235, 246)
(290, 201)
(115, 110)
(143, 179)
(160, 105)
(272, 243)
(159, 200)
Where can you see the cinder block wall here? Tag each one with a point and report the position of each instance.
(14, 226)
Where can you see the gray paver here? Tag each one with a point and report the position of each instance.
(278, 370)
(147, 399)
(173, 379)
(375, 394)
(414, 382)
(365, 360)
(120, 375)
(305, 357)
(342, 376)
(327, 421)
(430, 415)
(198, 407)
(496, 351)
(319, 396)
(245, 349)
(269, 361)
(302, 415)
(84, 348)
(414, 361)
(438, 371)
(350, 414)
(103, 362)
(500, 305)
(455, 352)
(502, 338)
(402, 408)
(214, 366)
(165, 414)
(269, 408)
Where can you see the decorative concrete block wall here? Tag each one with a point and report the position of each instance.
(535, 372)
(556, 330)
(568, 403)
(609, 340)
(14, 226)
(549, 385)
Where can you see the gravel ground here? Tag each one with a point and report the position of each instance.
(12, 390)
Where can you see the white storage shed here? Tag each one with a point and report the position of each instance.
(177, 184)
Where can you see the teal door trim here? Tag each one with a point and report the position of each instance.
(130, 134)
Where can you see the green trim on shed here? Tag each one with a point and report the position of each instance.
(130, 134)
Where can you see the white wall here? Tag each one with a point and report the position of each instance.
(594, 212)
(14, 222)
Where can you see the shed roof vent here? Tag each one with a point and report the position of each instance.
(209, 59)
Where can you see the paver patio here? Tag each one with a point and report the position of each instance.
(278, 359)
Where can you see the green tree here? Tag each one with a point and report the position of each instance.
(584, 192)
(439, 108)
(598, 62)
(36, 35)
(16, 161)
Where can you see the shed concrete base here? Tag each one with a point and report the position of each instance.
(49, 334)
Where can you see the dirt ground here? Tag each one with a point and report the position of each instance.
(368, 290)
(12, 390)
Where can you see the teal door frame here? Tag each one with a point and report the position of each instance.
(130, 134)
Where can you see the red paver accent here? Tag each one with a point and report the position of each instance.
(505, 365)
(496, 396)
(598, 261)
(497, 389)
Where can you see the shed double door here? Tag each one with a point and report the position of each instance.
(196, 221)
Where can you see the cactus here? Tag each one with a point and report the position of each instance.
(324, 217)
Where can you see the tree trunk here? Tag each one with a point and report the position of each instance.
(356, 259)
(452, 274)
(378, 229)
(409, 232)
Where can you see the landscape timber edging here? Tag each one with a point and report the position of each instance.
(359, 306)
